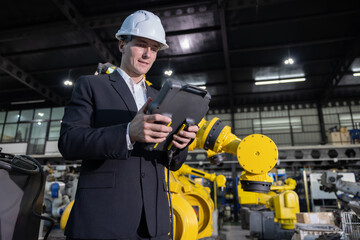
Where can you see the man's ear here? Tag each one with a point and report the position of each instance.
(121, 46)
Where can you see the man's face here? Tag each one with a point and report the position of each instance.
(138, 55)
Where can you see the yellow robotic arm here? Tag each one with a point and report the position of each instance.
(256, 153)
(220, 180)
(284, 203)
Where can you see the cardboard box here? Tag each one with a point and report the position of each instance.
(344, 129)
(334, 138)
(345, 137)
(316, 218)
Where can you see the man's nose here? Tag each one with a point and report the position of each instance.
(147, 52)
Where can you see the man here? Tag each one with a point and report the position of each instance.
(122, 190)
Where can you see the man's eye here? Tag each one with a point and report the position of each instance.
(154, 49)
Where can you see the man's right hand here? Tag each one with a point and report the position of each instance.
(149, 128)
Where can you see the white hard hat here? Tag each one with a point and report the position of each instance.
(144, 24)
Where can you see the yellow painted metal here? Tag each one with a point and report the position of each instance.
(285, 206)
(219, 179)
(290, 184)
(284, 203)
(198, 197)
(65, 215)
(257, 154)
(185, 218)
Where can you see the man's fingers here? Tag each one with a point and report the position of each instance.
(181, 139)
(144, 108)
(157, 118)
(156, 134)
(179, 145)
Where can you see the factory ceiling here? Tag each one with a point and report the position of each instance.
(230, 47)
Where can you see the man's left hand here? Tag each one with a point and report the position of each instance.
(181, 140)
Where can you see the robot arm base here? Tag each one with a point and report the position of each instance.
(255, 186)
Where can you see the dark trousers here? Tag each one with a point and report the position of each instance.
(142, 233)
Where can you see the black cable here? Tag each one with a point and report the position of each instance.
(52, 221)
(170, 156)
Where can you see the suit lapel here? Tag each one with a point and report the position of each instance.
(123, 90)
(151, 92)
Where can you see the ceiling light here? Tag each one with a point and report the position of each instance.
(28, 102)
(289, 61)
(39, 123)
(289, 80)
(41, 114)
(185, 44)
(356, 74)
(168, 72)
(68, 83)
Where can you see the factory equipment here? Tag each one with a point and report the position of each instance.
(281, 200)
(60, 188)
(192, 204)
(256, 153)
(199, 197)
(333, 182)
(21, 197)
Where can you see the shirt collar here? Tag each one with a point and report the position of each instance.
(129, 80)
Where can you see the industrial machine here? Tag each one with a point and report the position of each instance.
(60, 188)
(198, 197)
(256, 153)
(281, 200)
(192, 204)
(279, 222)
(350, 197)
(21, 197)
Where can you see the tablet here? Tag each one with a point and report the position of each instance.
(185, 104)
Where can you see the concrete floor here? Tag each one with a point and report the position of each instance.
(234, 232)
(228, 232)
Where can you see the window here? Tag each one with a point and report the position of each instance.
(26, 115)
(54, 131)
(277, 125)
(9, 133)
(1, 128)
(42, 114)
(57, 113)
(37, 138)
(22, 134)
(2, 117)
(12, 117)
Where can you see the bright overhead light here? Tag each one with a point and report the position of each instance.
(41, 114)
(39, 123)
(356, 74)
(185, 44)
(28, 102)
(168, 72)
(289, 80)
(68, 83)
(289, 61)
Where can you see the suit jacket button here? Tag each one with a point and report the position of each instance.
(142, 174)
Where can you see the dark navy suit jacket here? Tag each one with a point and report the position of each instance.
(115, 184)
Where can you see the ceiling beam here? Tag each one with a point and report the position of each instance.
(221, 5)
(73, 15)
(200, 54)
(353, 51)
(16, 72)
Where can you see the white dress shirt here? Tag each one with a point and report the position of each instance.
(139, 93)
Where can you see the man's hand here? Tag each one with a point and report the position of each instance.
(149, 128)
(184, 137)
